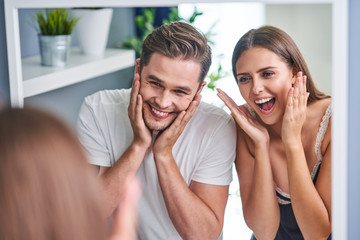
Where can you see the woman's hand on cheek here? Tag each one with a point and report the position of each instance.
(295, 111)
(247, 122)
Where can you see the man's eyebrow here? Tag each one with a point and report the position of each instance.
(153, 77)
(184, 88)
(260, 70)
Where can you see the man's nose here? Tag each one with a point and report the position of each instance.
(164, 100)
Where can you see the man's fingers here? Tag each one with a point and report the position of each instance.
(134, 92)
(192, 107)
(138, 108)
(184, 116)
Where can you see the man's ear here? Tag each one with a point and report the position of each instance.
(137, 66)
(203, 84)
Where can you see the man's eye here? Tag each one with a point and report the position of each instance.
(155, 84)
(180, 92)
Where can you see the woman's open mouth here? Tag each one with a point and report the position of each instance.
(265, 104)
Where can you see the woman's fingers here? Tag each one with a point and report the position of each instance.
(296, 92)
(290, 102)
(305, 93)
(227, 100)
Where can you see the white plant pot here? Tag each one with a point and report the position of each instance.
(93, 29)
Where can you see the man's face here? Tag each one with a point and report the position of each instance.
(167, 87)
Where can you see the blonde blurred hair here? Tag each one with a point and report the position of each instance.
(47, 189)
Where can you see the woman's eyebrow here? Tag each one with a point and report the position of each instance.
(260, 70)
(265, 68)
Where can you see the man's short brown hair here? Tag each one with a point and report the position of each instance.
(178, 39)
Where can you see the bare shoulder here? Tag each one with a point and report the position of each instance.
(316, 112)
(319, 107)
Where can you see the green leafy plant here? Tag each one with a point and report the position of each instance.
(145, 24)
(55, 22)
(214, 76)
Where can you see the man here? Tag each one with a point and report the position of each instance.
(182, 150)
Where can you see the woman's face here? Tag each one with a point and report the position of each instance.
(264, 80)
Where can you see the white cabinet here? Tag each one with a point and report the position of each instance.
(28, 78)
(38, 79)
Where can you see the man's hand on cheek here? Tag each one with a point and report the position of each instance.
(166, 140)
(142, 135)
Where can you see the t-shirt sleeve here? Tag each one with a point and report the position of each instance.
(218, 158)
(91, 136)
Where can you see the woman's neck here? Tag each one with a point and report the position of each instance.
(274, 130)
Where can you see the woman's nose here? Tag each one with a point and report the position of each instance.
(257, 87)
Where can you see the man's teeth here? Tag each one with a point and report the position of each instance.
(159, 113)
(264, 100)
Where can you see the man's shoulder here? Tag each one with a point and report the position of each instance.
(106, 97)
(206, 110)
(209, 115)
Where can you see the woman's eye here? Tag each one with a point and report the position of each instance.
(243, 79)
(268, 74)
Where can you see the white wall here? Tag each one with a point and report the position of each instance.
(310, 27)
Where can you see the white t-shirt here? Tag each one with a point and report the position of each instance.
(204, 152)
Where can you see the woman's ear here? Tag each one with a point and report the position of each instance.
(295, 71)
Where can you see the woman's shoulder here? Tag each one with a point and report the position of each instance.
(318, 109)
(319, 118)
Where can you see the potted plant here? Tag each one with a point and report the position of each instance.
(55, 28)
(93, 29)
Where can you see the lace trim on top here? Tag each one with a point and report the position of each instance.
(319, 138)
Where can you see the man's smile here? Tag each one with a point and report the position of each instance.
(158, 113)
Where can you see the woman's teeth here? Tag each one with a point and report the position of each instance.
(261, 101)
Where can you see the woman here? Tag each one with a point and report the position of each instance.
(284, 139)
(47, 189)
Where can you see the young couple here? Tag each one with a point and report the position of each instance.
(182, 149)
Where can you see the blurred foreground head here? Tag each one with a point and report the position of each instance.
(47, 189)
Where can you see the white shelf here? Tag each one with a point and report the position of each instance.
(39, 79)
